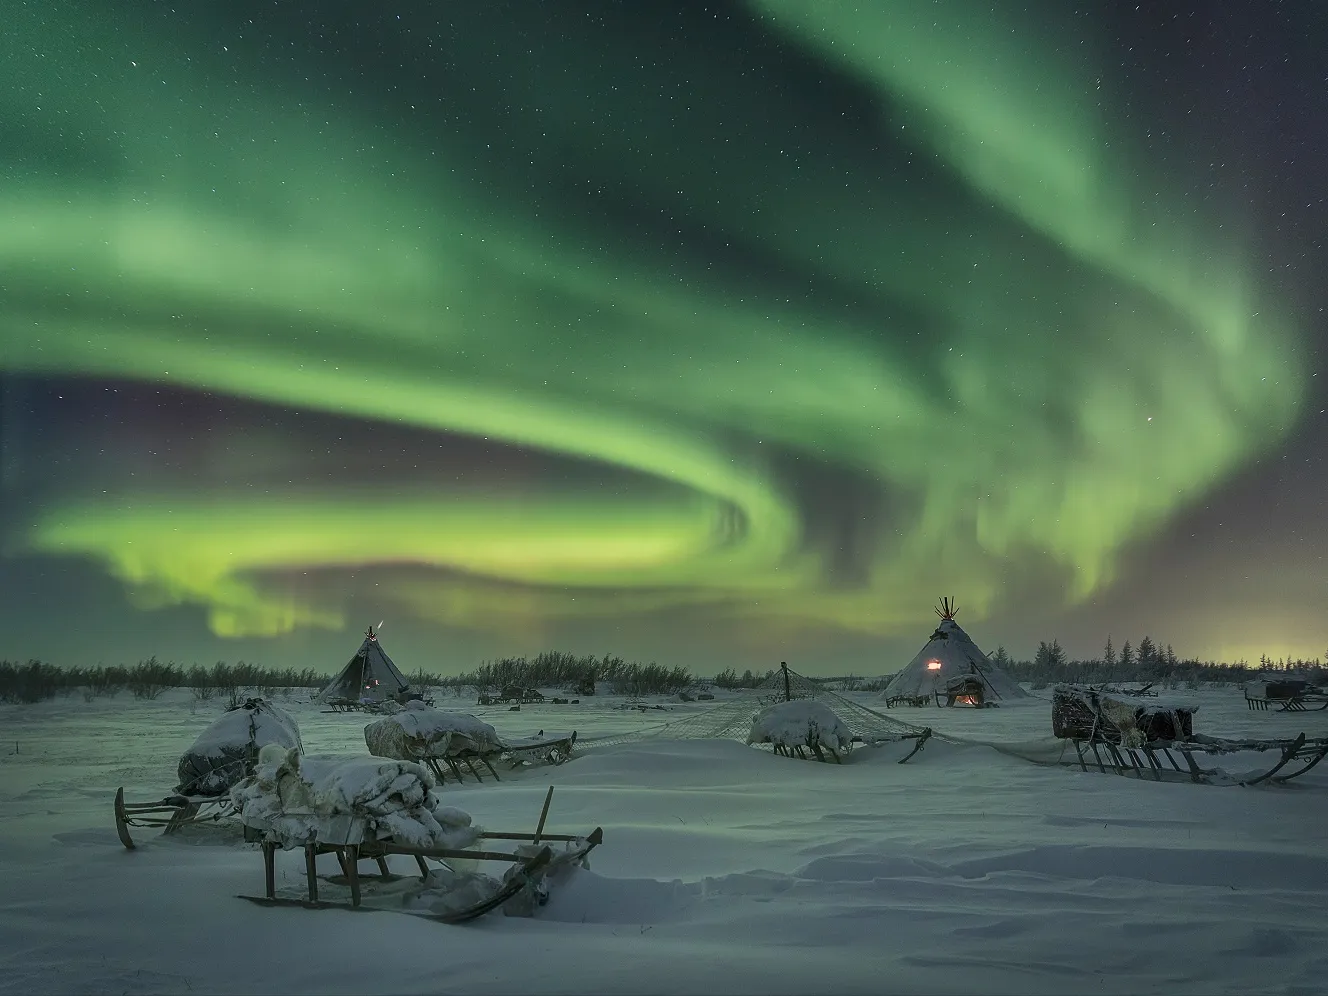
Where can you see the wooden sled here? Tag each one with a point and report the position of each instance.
(1297, 756)
(354, 705)
(528, 869)
(551, 748)
(171, 813)
(441, 764)
(915, 701)
(1136, 739)
(824, 752)
(1288, 696)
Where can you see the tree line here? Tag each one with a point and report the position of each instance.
(37, 680)
(1147, 662)
(578, 675)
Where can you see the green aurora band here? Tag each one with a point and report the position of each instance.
(1030, 353)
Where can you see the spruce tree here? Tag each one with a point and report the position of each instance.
(1057, 654)
(1147, 652)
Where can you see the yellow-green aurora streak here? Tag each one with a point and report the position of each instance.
(1091, 360)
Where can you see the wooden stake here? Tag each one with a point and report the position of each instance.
(311, 868)
(544, 814)
(269, 869)
(352, 866)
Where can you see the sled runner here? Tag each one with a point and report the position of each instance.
(1288, 696)
(1111, 734)
(171, 813)
(532, 863)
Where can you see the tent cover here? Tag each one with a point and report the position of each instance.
(949, 657)
(369, 676)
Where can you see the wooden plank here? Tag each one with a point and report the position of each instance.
(544, 814)
(508, 835)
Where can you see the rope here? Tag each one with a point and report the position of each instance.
(732, 720)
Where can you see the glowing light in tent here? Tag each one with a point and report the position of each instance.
(933, 665)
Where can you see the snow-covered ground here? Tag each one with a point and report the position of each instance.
(724, 868)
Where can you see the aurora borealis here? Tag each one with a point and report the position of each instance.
(763, 323)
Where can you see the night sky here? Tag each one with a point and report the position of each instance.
(722, 333)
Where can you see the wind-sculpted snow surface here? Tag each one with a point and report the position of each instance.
(724, 869)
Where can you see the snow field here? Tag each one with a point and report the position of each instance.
(725, 869)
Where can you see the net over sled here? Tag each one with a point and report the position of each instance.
(222, 755)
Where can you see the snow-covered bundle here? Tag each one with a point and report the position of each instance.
(1080, 712)
(289, 795)
(226, 751)
(800, 723)
(420, 731)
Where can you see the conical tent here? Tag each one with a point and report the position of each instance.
(368, 676)
(949, 657)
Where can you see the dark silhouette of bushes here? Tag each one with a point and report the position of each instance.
(36, 680)
(579, 675)
(31, 682)
(730, 679)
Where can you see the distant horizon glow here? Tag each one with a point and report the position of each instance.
(736, 349)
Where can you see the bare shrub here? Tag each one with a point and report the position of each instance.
(32, 682)
(149, 678)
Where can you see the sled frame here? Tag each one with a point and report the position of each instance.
(170, 813)
(349, 855)
(452, 762)
(551, 750)
(825, 753)
(1295, 757)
